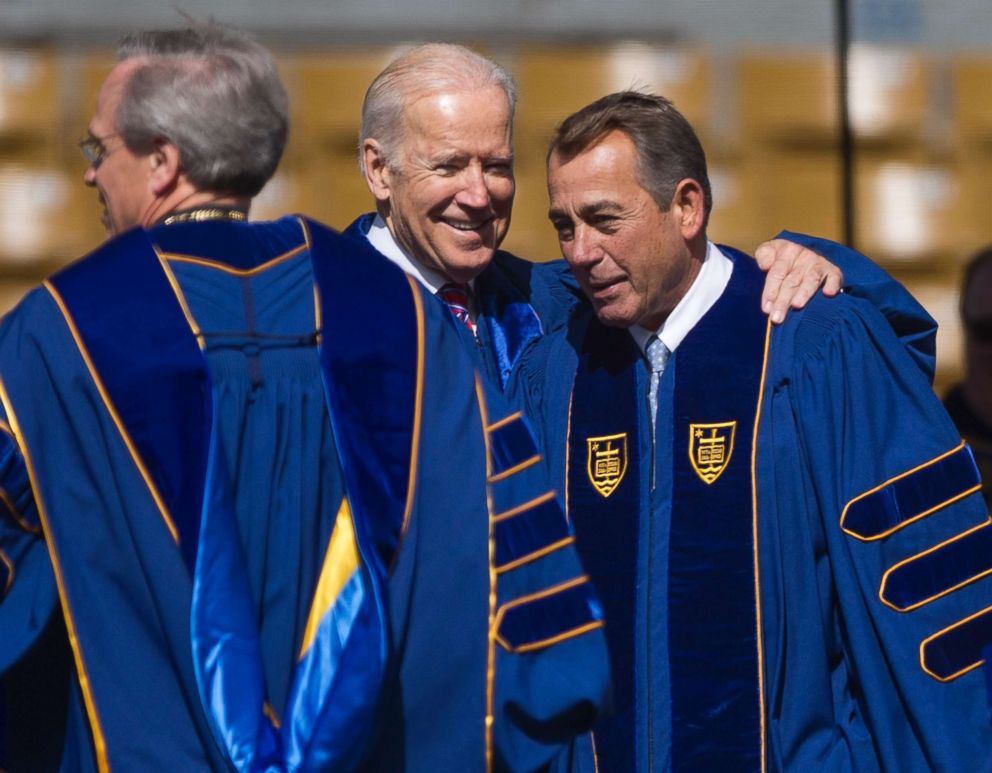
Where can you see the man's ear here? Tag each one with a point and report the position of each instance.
(376, 170)
(689, 207)
(165, 167)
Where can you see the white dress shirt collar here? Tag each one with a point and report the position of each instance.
(380, 238)
(710, 282)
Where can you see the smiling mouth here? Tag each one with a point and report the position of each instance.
(604, 291)
(597, 285)
(473, 225)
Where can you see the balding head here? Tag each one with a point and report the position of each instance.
(427, 69)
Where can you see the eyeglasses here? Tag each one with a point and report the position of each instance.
(93, 149)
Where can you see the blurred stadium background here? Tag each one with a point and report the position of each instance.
(759, 80)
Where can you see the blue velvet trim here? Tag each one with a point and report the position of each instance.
(154, 372)
(528, 532)
(925, 489)
(712, 609)
(511, 444)
(359, 228)
(925, 577)
(958, 649)
(605, 402)
(369, 353)
(546, 618)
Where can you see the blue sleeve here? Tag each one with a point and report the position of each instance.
(551, 672)
(27, 584)
(864, 279)
(907, 538)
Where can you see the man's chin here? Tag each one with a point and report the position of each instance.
(611, 316)
(107, 221)
(467, 265)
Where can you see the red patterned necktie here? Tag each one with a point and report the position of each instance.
(456, 296)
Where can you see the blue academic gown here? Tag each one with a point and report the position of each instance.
(796, 573)
(276, 536)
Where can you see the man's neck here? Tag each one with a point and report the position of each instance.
(185, 199)
(709, 279)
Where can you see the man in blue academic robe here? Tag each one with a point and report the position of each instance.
(784, 528)
(248, 521)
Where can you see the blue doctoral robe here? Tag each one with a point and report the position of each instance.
(277, 536)
(796, 574)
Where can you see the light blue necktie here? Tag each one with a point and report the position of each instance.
(657, 354)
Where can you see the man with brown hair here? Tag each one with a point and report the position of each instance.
(781, 522)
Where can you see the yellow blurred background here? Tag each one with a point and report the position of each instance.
(922, 123)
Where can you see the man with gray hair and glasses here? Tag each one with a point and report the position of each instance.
(231, 535)
(436, 150)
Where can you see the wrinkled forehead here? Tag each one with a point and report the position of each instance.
(608, 162)
(470, 115)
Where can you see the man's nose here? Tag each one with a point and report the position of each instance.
(89, 176)
(474, 192)
(585, 247)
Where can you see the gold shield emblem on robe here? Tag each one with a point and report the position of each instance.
(606, 462)
(710, 448)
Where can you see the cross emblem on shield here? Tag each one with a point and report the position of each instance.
(710, 448)
(606, 462)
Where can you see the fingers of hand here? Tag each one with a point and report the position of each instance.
(834, 281)
(778, 257)
(765, 254)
